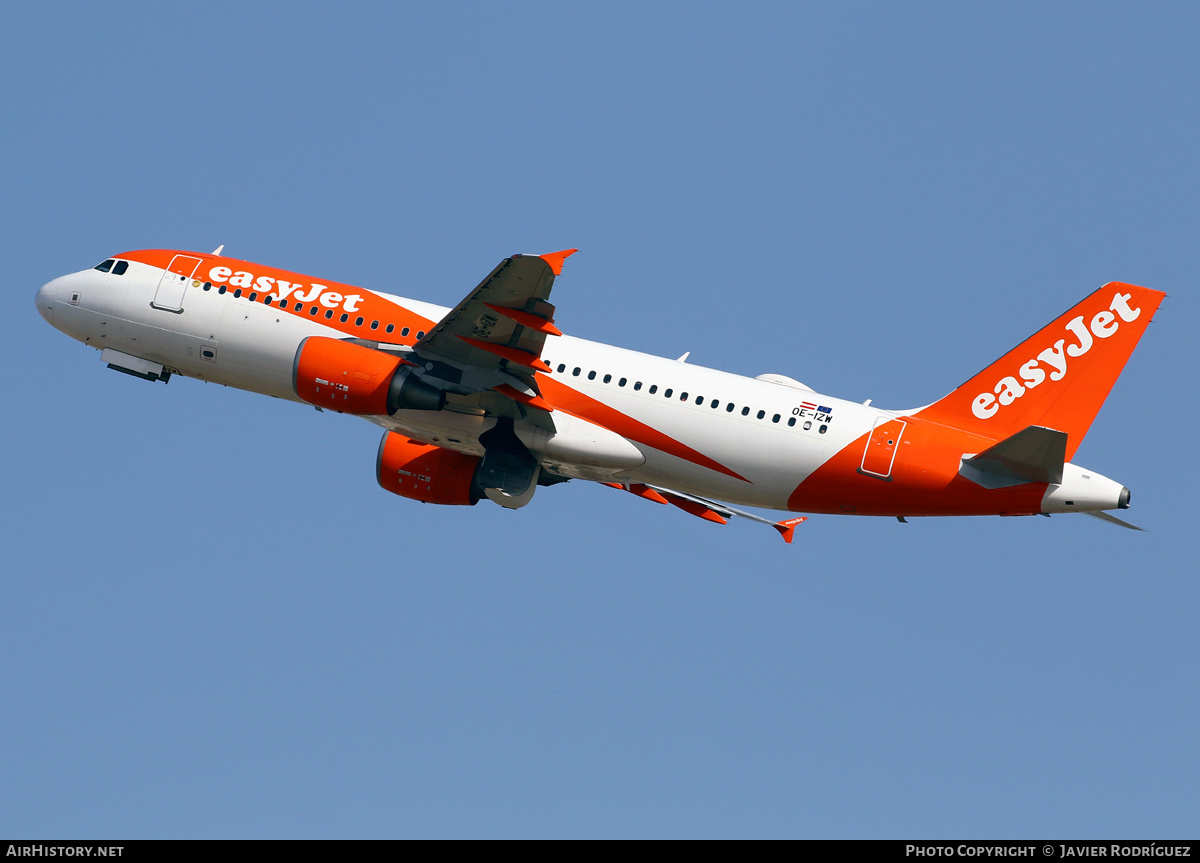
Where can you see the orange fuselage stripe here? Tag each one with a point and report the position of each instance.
(585, 407)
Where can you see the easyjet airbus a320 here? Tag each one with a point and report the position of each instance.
(490, 400)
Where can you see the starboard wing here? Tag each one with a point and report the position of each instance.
(491, 342)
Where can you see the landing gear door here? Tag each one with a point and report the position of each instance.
(880, 454)
(174, 282)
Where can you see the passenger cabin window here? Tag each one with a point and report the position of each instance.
(591, 376)
(637, 385)
(576, 371)
(608, 379)
(421, 334)
(791, 421)
(562, 367)
(729, 407)
(105, 266)
(391, 327)
(621, 382)
(404, 332)
(253, 296)
(374, 325)
(221, 289)
(715, 404)
(683, 397)
(775, 418)
(358, 322)
(208, 286)
(238, 293)
(120, 268)
(667, 393)
(745, 411)
(653, 389)
(345, 317)
(329, 314)
(762, 414)
(699, 400)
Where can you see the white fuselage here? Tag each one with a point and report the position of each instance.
(768, 437)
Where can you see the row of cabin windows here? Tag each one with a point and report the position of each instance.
(117, 268)
(313, 310)
(730, 407)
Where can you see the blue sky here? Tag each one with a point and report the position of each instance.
(216, 624)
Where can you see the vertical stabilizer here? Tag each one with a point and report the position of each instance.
(1059, 377)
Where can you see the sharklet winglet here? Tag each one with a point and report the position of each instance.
(555, 259)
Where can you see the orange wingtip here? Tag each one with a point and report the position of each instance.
(788, 526)
(516, 395)
(514, 355)
(526, 319)
(555, 259)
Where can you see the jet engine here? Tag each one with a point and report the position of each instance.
(349, 378)
(507, 474)
(430, 474)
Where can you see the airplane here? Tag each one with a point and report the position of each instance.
(490, 400)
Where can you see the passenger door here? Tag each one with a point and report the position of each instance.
(171, 287)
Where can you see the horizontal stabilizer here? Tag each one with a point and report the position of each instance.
(1112, 519)
(1034, 454)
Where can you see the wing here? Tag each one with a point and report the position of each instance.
(489, 346)
(709, 510)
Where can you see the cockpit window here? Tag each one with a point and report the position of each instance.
(106, 266)
(120, 268)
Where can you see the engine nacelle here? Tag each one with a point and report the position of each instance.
(346, 377)
(430, 474)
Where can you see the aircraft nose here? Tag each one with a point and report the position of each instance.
(45, 301)
(51, 294)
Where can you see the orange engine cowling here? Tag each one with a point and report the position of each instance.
(430, 474)
(341, 376)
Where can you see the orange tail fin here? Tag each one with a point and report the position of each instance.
(1059, 377)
